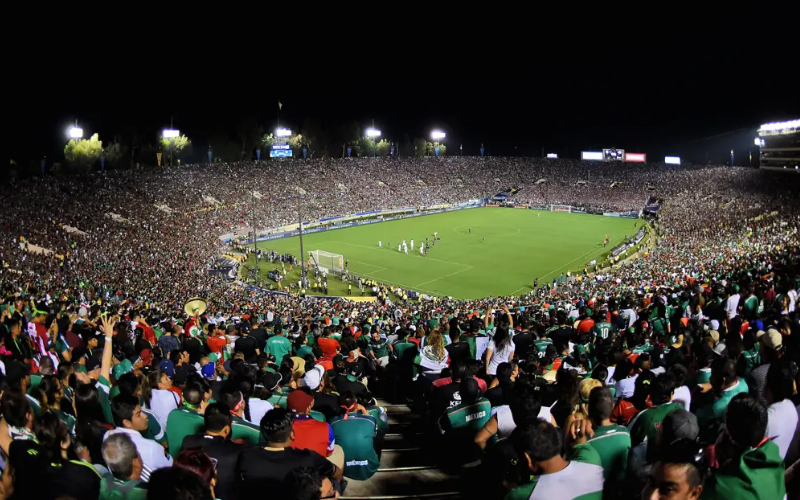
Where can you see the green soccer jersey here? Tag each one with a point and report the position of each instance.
(468, 416)
(541, 346)
(646, 424)
(154, 430)
(245, 431)
(279, 346)
(603, 329)
(304, 351)
(68, 419)
(405, 351)
(613, 444)
(355, 433)
(714, 413)
(379, 348)
(182, 422)
(103, 390)
(112, 488)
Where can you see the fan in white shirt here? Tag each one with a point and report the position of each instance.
(782, 415)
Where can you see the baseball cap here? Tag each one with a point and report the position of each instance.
(16, 371)
(121, 368)
(313, 378)
(299, 401)
(82, 312)
(209, 371)
(93, 363)
(772, 339)
(680, 424)
(167, 367)
(714, 336)
(271, 380)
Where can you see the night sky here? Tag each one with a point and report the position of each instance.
(675, 97)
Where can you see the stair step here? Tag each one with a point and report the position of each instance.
(404, 418)
(403, 440)
(394, 458)
(430, 484)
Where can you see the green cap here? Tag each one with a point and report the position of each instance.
(121, 368)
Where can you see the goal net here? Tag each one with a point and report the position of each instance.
(561, 208)
(327, 262)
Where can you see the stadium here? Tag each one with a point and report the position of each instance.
(383, 326)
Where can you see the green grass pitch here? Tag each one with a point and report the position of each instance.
(520, 245)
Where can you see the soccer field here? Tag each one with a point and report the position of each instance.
(520, 245)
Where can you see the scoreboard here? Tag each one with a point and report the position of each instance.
(613, 154)
(280, 151)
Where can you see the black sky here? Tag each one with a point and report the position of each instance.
(654, 94)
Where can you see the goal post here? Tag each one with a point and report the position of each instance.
(327, 262)
(561, 208)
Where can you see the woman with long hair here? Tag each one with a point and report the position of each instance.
(499, 350)
(66, 474)
(49, 393)
(434, 357)
(158, 398)
(90, 424)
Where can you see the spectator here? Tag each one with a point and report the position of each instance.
(745, 465)
(124, 480)
(198, 462)
(782, 415)
(216, 443)
(131, 420)
(178, 484)
(611, 442)
(266, 469)
(355, 432)
(538, 444)
(677, 475)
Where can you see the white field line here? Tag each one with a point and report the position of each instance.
(567, 264)
(446, 276)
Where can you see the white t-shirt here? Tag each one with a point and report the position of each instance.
(499, 356)
(576, 480)
(731, 305)
(258, 408)
(161, 403)
(683, 395)
(781, 424)
(625, 387)
(505, 422)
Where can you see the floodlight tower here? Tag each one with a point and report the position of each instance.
(75, 132)
(170, 133)
(373, 133)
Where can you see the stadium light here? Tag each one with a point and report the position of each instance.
(283, 132)
(759, 141)
(438, 134)
(371, 132)
(552, 155)
(170, 133)
(672, 160)
(75, 132)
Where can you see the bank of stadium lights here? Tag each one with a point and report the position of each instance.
(75, 132)
(283, 132)
(759, 142)
(373, 133)
(779, 127)
(170, 133)
(672, 160)
(552, 155)
(438, 134)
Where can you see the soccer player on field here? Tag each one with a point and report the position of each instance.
(380, 245)
(412, 244)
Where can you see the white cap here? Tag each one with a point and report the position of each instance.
(313, 378)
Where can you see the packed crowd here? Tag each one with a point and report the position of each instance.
(673, 376)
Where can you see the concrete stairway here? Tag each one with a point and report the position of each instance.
(407, 467)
